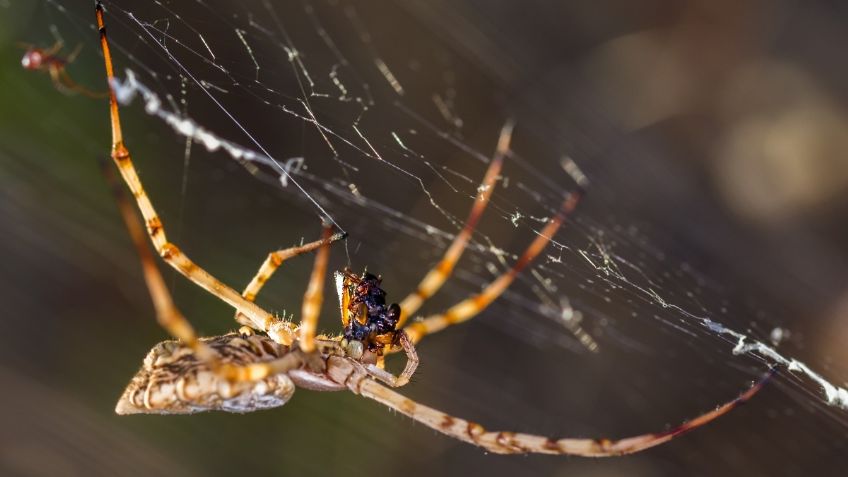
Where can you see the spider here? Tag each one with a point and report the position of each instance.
(261, 365)
(39, 59)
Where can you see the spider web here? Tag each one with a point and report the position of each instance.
(382, 118)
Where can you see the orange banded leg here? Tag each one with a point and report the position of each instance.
(259, 319)
(257, 371)
(170, 317)
(275, 259)
(314, 295)
(502, 442)
(273, 262)
(468, 308)
(436, 277)
(167, 313)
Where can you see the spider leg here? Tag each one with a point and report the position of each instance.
(470, 307)
(314, 295)
(73, 56)
(53, 50)
(377, 371)
(260, 319)
(273, 262)
(169, 316)
(502, 442)
(63, 82)
(257, 371)
(167, 313)
(436, 277)
(56, 77)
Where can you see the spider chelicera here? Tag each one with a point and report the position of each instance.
(261, 365)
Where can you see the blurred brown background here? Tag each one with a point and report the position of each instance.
(714, 135)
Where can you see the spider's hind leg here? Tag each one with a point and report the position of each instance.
(504, 442)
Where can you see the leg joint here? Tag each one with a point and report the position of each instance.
(169, 251)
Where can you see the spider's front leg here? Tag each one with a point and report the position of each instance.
(436, 277)
(260, 319)
(471, 307)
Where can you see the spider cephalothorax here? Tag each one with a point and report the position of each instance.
(367, 318)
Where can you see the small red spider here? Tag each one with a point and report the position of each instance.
(39, 59)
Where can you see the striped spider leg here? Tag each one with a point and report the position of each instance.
(472, 306)
(273, 262)
(246, 371)
(196, 373)
(353, 292)
(504, 442)
(436, 277)
(259, 319)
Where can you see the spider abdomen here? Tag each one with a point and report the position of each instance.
(172, 380)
